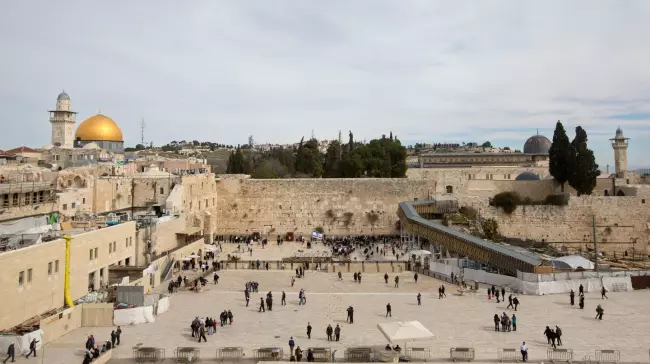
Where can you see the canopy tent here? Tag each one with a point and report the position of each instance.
(420, 252)
(193, 256)
(404, 331)
(572, 262)
(210, 248)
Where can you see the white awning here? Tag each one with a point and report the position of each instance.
(404, 331)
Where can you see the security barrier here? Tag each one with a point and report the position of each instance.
(186, 355)
(320, 354)
(358, 355)
(230, 353)
(561, 355)
(461, 354)
(268, 354)
(608, 356)
(147, 354)
(423, 354)
(509, 355)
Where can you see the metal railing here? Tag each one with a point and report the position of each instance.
(148, 354)
(423, 354)
(461, 354)
(608, 356)
(320, 354)
(358, 355)
(230, 353)
(509, 355)
(268, 354)
(561, 355)
(187, 354)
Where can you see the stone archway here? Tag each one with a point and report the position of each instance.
(606, 193)
(620, 193)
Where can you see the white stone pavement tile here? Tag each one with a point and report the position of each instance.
(464, 321)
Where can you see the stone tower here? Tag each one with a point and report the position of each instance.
(63, 120)
(620, 143)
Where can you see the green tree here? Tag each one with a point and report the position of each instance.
(331, 169)
(139, 147)
(560, 157)
(270, 168)
(308, 159)
(583, 165)
(486, 145)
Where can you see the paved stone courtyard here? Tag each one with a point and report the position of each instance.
(455, 320)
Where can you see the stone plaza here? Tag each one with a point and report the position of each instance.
(457, 320)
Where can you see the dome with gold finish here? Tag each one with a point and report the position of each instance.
(99, 128)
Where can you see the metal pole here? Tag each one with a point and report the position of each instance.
(593, 221)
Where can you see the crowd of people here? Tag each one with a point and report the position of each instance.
(94, 350)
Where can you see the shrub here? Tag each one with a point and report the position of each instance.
(348, 218)
(469, 211)
(372, 217)
(561, 199)
(490, 229)
(330, 214)
(319, 229)
(508, 201)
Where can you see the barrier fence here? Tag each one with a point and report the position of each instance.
(367, 354)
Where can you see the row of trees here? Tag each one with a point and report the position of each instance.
(573, 162)
(380, 158)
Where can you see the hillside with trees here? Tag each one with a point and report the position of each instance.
(380, 158)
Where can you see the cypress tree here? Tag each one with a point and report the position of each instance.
(560, 156)
(583, 165)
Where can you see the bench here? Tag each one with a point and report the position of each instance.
(320, 354)
(461, 354)
(423, 354)
(608, 356)
(275, 354)
(230, 353)
(358, 355)
(561, 355)
(509, 355)
(186, 354)
(147, 354)
(619, 287)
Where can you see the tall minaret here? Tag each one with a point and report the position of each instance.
(620, 143)
(63, 120)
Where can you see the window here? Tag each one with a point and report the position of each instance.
(110, 248)
(49, 268)
(115, 246)
(130, 241)
(162, 190)
(96, 255)
(83, 200)
(213, 201)
(21, 278)
(65, 206)
(74, 205)
(206, 202)
(91, 254)
(56, 266)
(29, 275)
(126, 242)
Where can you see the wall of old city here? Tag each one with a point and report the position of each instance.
(358, 206)
(200, 201)
(162, 236)
(621, 223)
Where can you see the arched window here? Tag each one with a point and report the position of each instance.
(620, 193)
(449, 189)
(606, 193)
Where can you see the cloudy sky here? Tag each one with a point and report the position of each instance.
(430, 71)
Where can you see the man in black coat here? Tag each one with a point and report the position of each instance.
(11, 353)
(32, 348)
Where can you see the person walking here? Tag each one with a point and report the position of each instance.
(113, 338)
(388, 311)
(582, 302)
(351, 314)
(489, 292)
(262, 305)
(510, 302)
(515, 302)
(32, 348)
(329, 332)
(215, 278)
(558, 335)
(308, 330)
(118, 333)
(581, 290)
(415, 277)
(496, 322)
(202, 333)
(359, 277)
(386, 278)
(514, 322)
(599, 312)
(11, 353)
(396, 281)
(603, 293)
(284, 299)
(547, 333)
(292, 344)
(337, 332)
(572, 297)
(503, 293)
(419, 299)
(496, 295)
(247, 296)
(524, 351)
(310, 355)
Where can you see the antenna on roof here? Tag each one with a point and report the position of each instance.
(142, 126)
(537, 131)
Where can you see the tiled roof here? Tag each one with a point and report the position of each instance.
(21, 150)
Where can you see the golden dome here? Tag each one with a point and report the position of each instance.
(99, 128)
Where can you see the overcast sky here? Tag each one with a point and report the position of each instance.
(430, 71)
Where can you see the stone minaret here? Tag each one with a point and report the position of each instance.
(63, 120)
(620, 143)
